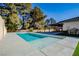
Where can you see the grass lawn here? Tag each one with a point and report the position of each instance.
(76, 52)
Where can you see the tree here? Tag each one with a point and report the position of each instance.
(28, 23)
(4, 11)
(37, 16)
(48, 22)
(13, 16)
(11, 11)
(24, 11)
(10, 14)
(52, 21)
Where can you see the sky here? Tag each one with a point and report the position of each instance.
(59, 11)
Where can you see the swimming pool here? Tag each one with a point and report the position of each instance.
(30, 36)
(38, 40)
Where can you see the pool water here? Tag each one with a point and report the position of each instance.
(30, 36)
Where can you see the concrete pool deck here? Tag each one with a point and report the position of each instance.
(13, 45)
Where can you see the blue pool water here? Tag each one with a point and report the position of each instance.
(30, 36)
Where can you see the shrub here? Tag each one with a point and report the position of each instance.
(31, 29)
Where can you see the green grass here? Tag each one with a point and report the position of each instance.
(76, 52)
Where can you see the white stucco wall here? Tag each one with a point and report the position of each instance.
(2, 28)
(69, 25)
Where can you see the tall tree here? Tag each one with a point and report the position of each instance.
(52, 21)
(24, 11)
(10, 14)
(11, 11)
(48, 22)
(4, 11)
(37, 15)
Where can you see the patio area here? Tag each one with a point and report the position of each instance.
(13, 45)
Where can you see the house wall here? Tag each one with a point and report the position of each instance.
(2, 28)
(69, 25)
